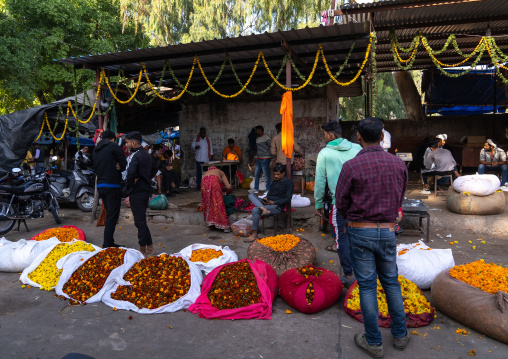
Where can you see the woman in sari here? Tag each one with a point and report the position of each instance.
(214, 209)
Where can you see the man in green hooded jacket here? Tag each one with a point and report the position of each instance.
(329, 164)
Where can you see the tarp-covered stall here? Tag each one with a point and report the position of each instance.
(19, 129)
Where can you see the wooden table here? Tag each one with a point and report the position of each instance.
(220, 165)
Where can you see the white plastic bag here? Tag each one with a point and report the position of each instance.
(73, 261)
(182, 303)
(262, 184)
(297, 201)
(228, 256)
(242, 227)
(478, 185)
(421, 265)
(16, 256)
(59, 264)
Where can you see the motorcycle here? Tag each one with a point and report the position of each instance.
(26, 198)
(76, 186)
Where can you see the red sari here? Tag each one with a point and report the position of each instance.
(214, 209)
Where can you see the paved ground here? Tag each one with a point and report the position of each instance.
(34, 324)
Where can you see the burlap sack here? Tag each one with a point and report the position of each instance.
(462, 203)
(303, 254)
(484, 312)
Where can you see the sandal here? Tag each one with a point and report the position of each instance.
(330, 248)
(248, 240)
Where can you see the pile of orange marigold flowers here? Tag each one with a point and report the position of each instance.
(488, 277)
(234, 287)
(205, 255)
(90, 277)
(280, 243)
(63, 234)
(155, 282)
(307, 272)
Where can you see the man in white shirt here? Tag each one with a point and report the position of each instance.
(202, 145)
(387, 139)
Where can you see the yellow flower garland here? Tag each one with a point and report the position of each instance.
(184, 89)
(427, 47)
(103, 73)
(412, 54)
(357, 74)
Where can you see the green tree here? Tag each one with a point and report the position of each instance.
(34, 33)
(195, 20)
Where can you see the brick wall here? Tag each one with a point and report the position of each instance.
(234, 118)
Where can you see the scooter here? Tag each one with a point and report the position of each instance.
(26, 198)
(75, 186)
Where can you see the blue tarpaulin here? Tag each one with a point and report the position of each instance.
(474, 93)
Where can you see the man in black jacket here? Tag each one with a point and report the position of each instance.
(138, 187)
(109, 162)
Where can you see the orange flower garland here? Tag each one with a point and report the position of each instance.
(280, 243)
(63, 234)
(488, 277)
(90, 277)
(155, 282)
(234, 287)
(205, 255)
(307, 272)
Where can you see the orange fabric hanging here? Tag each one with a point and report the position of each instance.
(287, 133)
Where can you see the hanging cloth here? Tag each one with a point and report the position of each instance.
(287, 133)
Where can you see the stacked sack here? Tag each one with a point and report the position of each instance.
(476, 194)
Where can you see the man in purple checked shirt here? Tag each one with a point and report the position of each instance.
(369, 193)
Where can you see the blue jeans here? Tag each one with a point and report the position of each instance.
(256, 212)
(265, 166)
(373, 253)
(339, 223)
(199, 174)
(503, 169)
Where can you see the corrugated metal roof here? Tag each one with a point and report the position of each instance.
(243, 50)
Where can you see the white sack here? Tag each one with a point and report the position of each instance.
(422, 266)
(478, 185)
(16, 256)
(182, 303)
(73, 261)
(297, 201)
(24, 275)
(262, 184)
(228, 256)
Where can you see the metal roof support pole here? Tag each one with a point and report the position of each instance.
(289, 173)
(98, 99)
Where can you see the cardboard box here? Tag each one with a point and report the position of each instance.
(473, 141)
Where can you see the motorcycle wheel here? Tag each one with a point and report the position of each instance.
(85, 202)
(6, 226)
(56, 213)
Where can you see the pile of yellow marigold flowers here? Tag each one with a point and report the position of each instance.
(488, 277)
(47, 274)
(205, 255)
(280, 243)
(414, 301)
(63, 234)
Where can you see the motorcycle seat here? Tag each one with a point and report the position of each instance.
(62, 180)
(12, 189)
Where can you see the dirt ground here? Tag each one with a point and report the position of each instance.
(34, 324)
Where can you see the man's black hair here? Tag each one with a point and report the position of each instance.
(278, 126)
(435, 143)
(279, 168)
(333, 127)
(261, 128)
(108, 135)
(134, 135)
(230, 141)
(370, 129)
